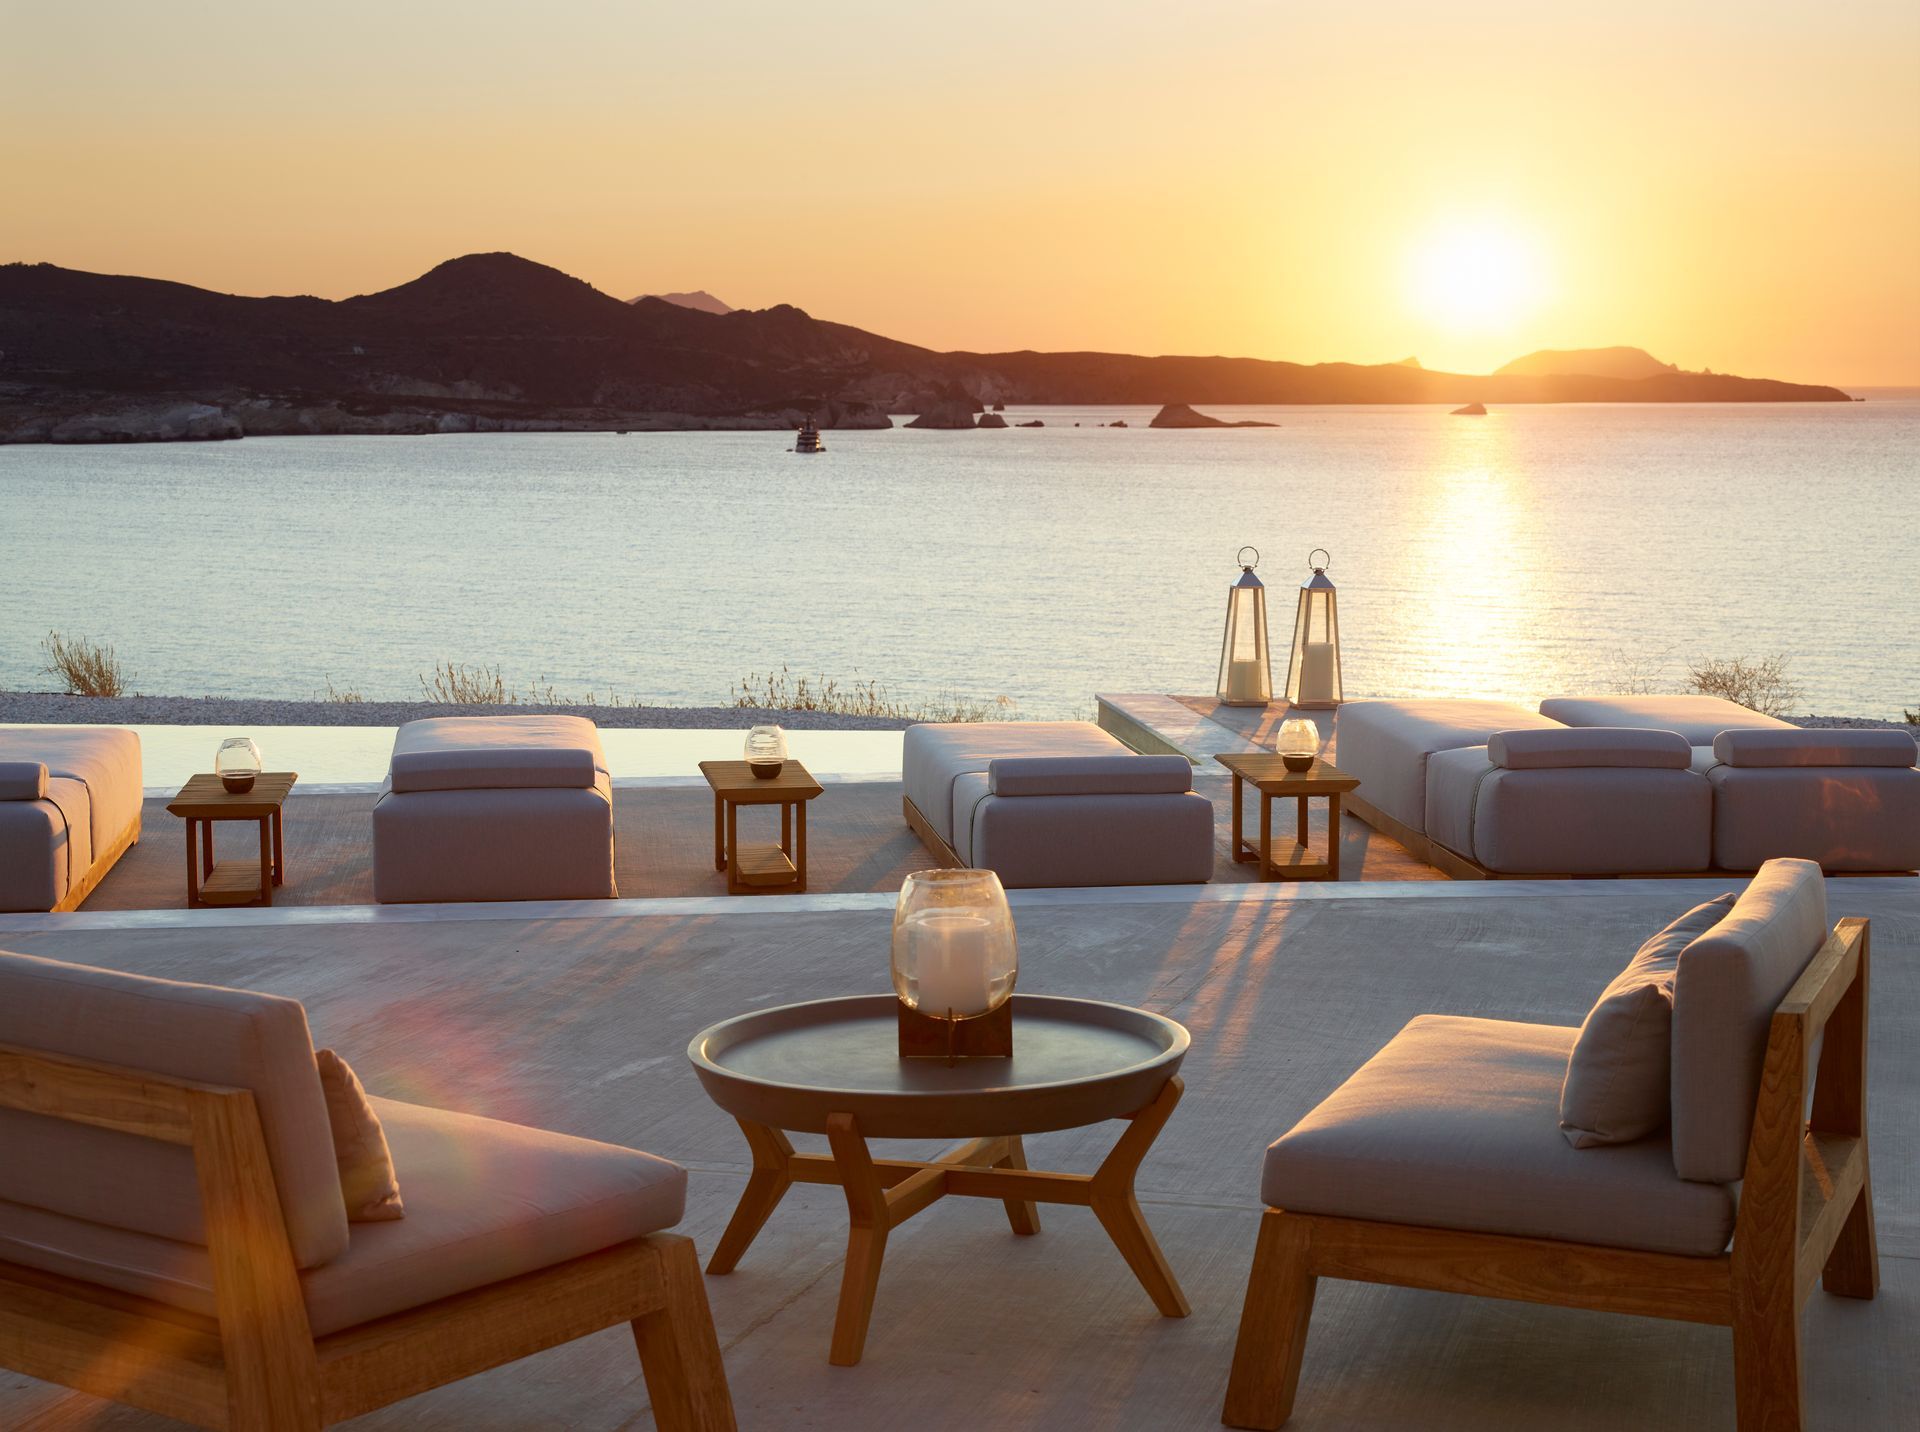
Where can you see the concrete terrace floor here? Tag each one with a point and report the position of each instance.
(577, 1017)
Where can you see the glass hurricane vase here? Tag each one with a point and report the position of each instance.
(1298, 743)
(954, 951)
(237, 762)
(766, 751)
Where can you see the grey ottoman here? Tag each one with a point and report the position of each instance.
(495, 808)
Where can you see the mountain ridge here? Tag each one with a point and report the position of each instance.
(488, 342)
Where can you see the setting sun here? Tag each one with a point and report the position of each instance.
(1478, 276)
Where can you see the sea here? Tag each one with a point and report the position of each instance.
(1538, 550)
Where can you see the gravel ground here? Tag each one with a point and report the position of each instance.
(44, 707)
(1828, 723)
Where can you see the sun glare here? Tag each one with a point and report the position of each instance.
(1475, 277)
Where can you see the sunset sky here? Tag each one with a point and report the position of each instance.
(1735, 186)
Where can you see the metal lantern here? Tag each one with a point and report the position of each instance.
(1246, 668)
(1313, 672)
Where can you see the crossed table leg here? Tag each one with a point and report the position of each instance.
(884, 1193)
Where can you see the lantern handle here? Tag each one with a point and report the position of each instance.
(1241, 557)
(1320, 566)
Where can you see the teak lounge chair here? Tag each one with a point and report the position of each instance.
(1805, 1207)
(307, 1321)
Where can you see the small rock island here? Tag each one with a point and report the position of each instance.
(1179, 415)
(1472, 410)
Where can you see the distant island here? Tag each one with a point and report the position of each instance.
(1179, 415)
(496, 343)
(699, 299)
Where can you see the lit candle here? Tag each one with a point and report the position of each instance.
(950, 962)
(1316, 672)
(1246, 681)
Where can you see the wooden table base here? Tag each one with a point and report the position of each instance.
(234, 882)
(1294, 861)
(884, 1193)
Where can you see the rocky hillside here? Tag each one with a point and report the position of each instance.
(1588, 362)
(494, 342)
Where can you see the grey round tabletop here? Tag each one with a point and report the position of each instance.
(1075, 1062)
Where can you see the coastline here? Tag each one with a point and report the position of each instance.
(49, 708)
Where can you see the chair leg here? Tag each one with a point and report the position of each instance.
(679, 1350)
(1766, 1361)
(1273, 1326)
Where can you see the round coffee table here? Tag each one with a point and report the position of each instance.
(832, 1067)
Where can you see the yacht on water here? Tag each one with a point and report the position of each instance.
(809, 438)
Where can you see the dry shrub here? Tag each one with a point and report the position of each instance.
(1761, 684)
(782, 691)
(88, 668)
(348, 697)
(457, 684)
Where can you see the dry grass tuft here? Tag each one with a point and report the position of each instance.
(1761, 684)
(88, 668)
(457, 684)
(349, 697)
(782, 691)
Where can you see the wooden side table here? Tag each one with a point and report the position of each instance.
(760, 869)
(1268, 775)
(833, 1067)
(202, 802)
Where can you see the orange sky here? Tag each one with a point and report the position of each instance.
(1735, 186)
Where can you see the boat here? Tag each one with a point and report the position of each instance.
(809, 438)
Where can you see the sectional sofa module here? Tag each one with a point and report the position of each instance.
(1053, 803)
(69, 808)
(1658, 785)
(495, 808)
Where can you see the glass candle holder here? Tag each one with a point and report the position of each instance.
(766, 751)
(1298, 743)
(955, 956)
(237, 762)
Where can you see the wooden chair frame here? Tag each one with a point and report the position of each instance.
(256, 1366)
(1806, 1214)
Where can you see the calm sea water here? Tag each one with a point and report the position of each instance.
(1534, 551)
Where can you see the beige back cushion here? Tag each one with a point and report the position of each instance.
(193, 1032)
(1619, 1080)
(1724, 993)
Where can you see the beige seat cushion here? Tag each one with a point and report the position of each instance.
(486, 1201)
(1455, 1124)
(1386, 744)
(92, 799)
(1619, 1076)
(458, 753)
(105, 758)
(200, 1033)
(1697, 718)
(1725, 990)
(934, 755)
